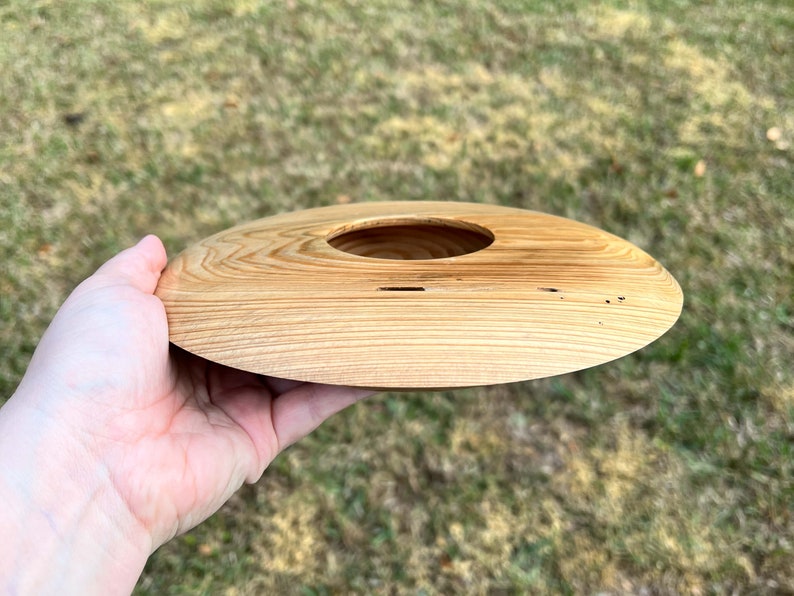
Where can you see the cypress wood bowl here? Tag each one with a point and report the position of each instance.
(416, 295)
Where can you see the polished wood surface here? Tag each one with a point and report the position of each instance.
(416, 295)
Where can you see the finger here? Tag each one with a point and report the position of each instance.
(245, 401)
(278, 386)
(301, 410)
(138, 266)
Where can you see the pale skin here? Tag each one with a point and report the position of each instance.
(115, 442)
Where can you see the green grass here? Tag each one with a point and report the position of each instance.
(668, 471)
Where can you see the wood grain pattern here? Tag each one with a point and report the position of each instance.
(416, 295)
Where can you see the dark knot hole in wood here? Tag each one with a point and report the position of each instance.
(401, 289)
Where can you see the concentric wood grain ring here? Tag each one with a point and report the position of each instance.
(416, 295)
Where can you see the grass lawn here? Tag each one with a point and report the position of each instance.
(669, 123)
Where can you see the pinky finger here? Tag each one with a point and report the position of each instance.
(298, 412)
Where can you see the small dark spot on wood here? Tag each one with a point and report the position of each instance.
(608, 301)
(600, 323)
(621, 298)
(401, 289)
(548, 289)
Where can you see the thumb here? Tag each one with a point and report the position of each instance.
(139, 266)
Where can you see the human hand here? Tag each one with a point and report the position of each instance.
(158, 438)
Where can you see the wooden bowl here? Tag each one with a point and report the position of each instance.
(416, 295)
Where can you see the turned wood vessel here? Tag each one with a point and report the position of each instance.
(416, 295)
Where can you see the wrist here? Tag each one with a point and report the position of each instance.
(66, 529)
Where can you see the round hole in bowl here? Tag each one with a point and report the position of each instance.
(411, 239)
